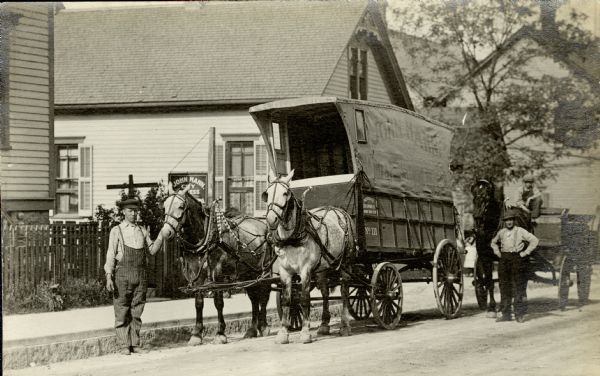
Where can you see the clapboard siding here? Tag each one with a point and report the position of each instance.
(29, 153)
(29, 50)
(27, 174)
(377, 90)
(19, 123)
(28, 131)
(27, 187)
(29, 57)
(338, 82)
(32, 10)
(28, 79)
(20, 101)
(27, 116)
(149, 146)
(26, 166)
(29, 72)
(42, 22)
(29, 146)
(30, 94)
(25, 195)
(29, 65)
(31, 29)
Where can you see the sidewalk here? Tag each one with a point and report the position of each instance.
(51, 337)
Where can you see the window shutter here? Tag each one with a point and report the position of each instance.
(260, 179)
(219, 171)
(85, 180)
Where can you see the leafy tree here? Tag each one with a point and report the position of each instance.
(475, 54)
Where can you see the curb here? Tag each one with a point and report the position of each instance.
(62, 348)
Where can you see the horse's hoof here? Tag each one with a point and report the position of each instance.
(345, 331)
(265, 331)
(220, 339)
(282, 338)
(251, 333)
(323, 330)
(305, 338)
(195, 341)
(491, 315)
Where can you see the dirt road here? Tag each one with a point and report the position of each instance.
(550, 342)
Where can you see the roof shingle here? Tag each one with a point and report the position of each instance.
(216, 51)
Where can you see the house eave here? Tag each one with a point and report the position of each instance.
(159, 106)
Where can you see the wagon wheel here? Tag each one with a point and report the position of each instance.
(480, 290)
(359, 299)
(447, 279)
(564, 281)
(295, 309)
(386, 295)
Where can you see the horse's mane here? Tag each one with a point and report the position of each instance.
(196, 217)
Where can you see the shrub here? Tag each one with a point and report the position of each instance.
(48, 297)
(78, 293)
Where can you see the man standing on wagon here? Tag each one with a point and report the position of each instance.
(126, 261)
(513, 266)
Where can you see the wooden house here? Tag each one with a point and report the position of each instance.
(140, 89)
(27, 164)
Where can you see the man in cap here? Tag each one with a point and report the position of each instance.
(516, 244)
(529, 200)
(125, 267)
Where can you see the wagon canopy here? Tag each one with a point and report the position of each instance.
(400, 151)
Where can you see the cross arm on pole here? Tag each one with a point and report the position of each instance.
(131, 186)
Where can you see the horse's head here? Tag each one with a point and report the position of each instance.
(182, 212)
(278, 196)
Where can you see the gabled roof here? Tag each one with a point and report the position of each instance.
(206, 52)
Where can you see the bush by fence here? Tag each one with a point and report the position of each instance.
(62, 253)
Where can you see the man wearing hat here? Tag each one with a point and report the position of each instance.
(516, 244)
(126, 260)
(529, 200)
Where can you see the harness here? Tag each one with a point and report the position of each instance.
(216, 227)
(303, 227)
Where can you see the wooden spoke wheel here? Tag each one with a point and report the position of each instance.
(386, 295)
(564, 281)
(295, 309)
(448, 280)
(360, 305)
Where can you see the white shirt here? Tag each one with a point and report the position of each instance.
(134, 237)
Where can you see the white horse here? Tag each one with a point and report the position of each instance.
(307, 243)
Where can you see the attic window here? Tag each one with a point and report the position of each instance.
(361, 128)
(357, 73)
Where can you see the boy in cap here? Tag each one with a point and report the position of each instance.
(513, 266)
(125, 267)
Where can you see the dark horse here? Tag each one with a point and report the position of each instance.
(215, 251)
(487, 211)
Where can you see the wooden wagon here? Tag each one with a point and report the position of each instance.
(388, 167)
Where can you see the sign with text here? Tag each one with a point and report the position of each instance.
(197, 180)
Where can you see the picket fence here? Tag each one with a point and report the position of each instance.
(54, 253)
